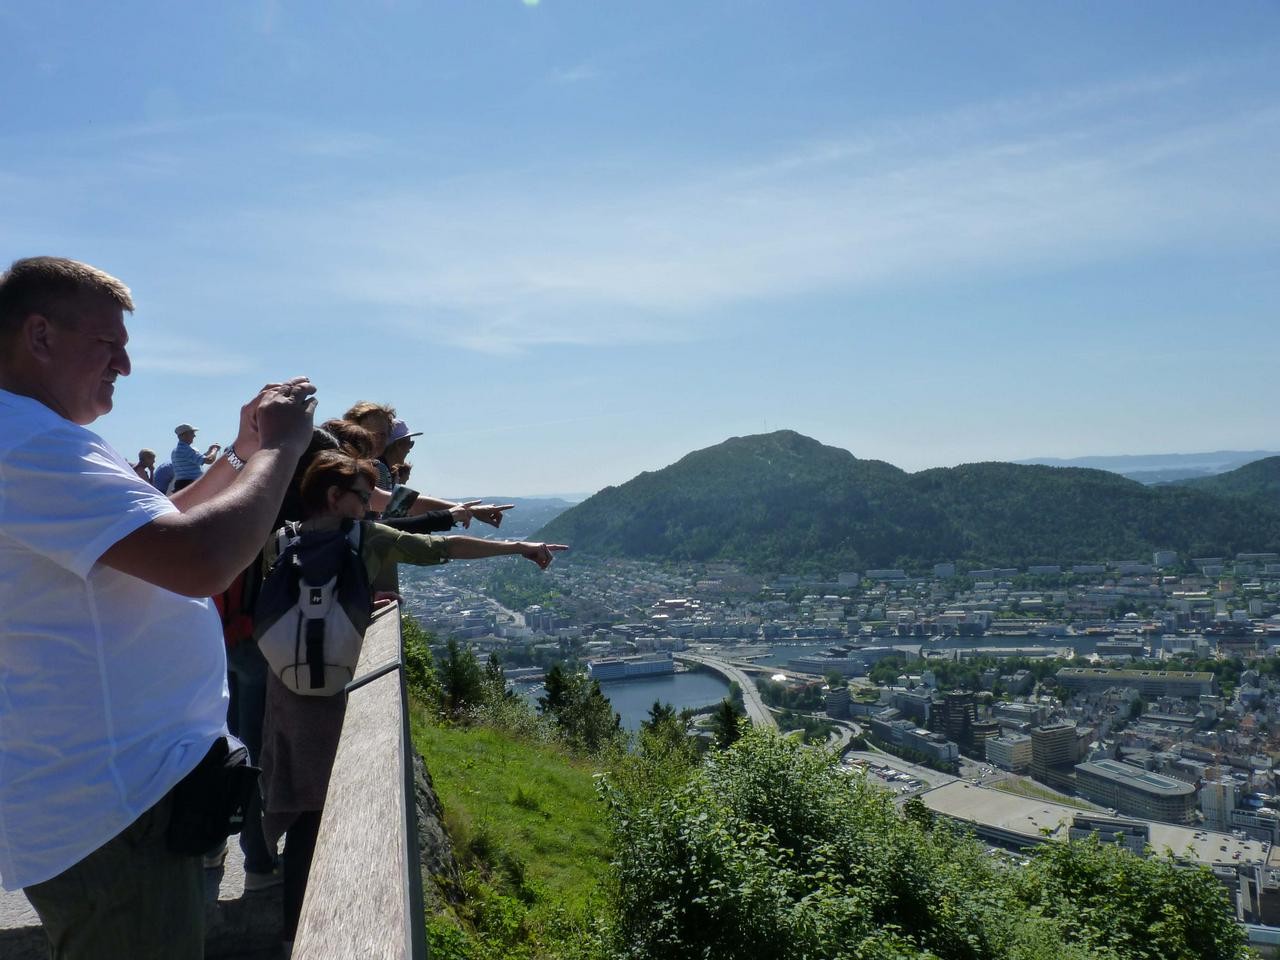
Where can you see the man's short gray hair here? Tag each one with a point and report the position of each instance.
(43, 284)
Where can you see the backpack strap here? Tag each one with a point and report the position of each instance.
(314, 645)
(354, 529)
(286, 535)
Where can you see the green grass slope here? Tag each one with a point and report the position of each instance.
(507, 799)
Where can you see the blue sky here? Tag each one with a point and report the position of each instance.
(576, 240)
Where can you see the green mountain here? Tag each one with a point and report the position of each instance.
(786, 501)
(1259, 479)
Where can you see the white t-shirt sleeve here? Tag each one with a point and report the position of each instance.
(65, 494)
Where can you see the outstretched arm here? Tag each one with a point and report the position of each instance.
(463, 513)
(474, 548)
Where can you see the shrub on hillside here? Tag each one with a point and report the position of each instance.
(770, 851)
(580, 711)
(419, 665)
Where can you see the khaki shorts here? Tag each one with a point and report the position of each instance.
(130, 899)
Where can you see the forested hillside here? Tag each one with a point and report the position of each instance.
(782, 500)
(1258, 479)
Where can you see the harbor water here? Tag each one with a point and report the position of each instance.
(631, 699)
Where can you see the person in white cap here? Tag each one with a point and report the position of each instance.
(399, 443)
(187, 464)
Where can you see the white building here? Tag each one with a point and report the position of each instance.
(1010, 752)
(1217, 799)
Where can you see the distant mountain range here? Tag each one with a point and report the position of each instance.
(529, 514)
(1162, 467)
(783, 501)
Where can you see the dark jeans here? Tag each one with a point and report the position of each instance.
(247, 680)
(299, 848)
(131, 899)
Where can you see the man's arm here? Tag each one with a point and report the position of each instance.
(200, 550)
(221, 475)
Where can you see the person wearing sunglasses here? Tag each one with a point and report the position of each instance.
(300, 735)
(399, 443)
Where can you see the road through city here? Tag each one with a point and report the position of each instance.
(756, 710)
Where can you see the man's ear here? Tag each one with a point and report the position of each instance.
(37, 334)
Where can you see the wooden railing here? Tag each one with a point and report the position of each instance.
(364, 895)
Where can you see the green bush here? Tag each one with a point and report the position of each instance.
(419, 665)
(1107, 898)
(581, 713)
(769, 850)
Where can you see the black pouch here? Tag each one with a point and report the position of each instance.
(209, 803)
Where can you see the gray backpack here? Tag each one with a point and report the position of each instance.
(314, 608)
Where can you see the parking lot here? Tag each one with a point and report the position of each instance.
(897, 781)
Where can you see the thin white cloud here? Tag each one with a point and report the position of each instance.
(578, 264)
(579, 73)
(502, 261)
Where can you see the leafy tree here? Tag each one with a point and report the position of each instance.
(1149, 908)
(666, 734)
(726, 722)
(495, 680)
(919, 813)
(795, 696)
(736, 696)
(461, 678)
(555, 687)
(588, 718)
(579, 709)
(419, 665)
(886, 671)
(659, 714)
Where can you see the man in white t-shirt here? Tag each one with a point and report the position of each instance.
(112, 667)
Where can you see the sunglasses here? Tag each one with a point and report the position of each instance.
(362, 495)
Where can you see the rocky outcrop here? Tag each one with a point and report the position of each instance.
(442, 880)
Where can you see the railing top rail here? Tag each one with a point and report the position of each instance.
(364, 895)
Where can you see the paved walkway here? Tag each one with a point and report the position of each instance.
(237, 926)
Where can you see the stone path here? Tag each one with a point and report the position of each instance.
(238, 926)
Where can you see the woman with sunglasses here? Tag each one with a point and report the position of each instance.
(300, 735)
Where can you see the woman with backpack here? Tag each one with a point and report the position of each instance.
(301, 731)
